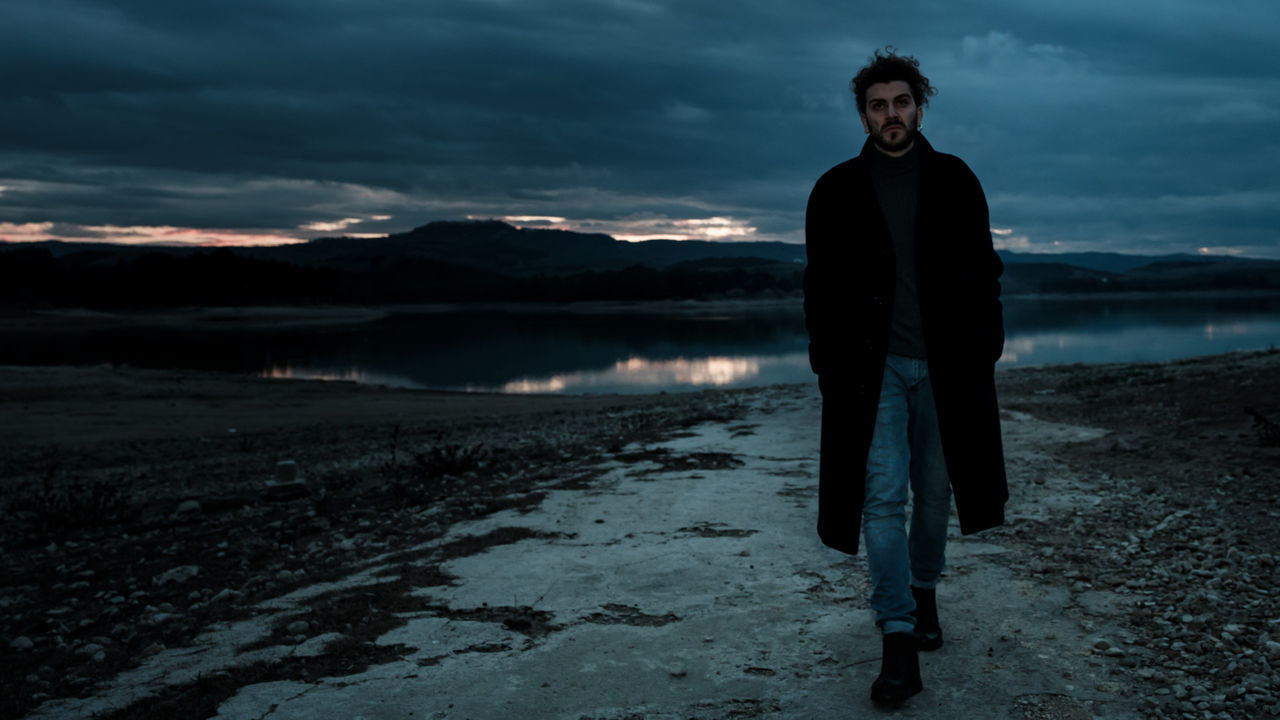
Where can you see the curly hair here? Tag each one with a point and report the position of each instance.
(889, 67)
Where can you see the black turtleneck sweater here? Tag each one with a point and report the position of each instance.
(896, 179)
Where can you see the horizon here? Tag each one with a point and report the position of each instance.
(1203, 252)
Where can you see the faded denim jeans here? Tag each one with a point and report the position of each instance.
(906, 451)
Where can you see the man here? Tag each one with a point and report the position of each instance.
(902, 304)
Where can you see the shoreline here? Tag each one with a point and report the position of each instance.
(340, 313)
(1167, 498)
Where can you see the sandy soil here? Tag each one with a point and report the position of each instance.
(116, 483)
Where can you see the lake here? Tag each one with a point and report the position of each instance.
(602, 349)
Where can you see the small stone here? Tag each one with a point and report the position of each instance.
(188, 507)
(22, 642)
(677, 670)
(286, 471)
(90, 649)
(280, 491)
(1102, 645)
(315, 524)
(314, 647)
(226, 594)
(297, 627)
(180, 574)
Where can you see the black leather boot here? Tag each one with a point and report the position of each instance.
(928, 632)
(899, 670)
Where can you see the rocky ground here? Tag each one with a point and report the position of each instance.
(139, 509)
(1183, 533)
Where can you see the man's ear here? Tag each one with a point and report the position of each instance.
(866, 129)
(919, 116)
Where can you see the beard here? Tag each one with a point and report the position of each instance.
(909, 129)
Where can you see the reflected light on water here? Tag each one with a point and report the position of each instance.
(1218, 330)
(640, 372)
(1019, 346)
(356, 375)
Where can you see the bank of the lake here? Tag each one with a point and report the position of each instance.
(140, 519)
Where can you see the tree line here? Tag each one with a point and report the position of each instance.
(34, 277)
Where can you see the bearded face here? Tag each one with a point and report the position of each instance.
(892, 117)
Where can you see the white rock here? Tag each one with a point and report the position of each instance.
(22, 642)
(226, 594)
(314, 647)
(90, 649)
(180, 574)
(286, 471)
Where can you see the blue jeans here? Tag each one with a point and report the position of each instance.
(906, 450)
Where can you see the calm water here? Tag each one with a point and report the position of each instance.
(633, 351)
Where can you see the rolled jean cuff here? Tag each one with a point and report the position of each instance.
(893, 626)
(918, 583)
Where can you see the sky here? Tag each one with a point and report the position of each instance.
(1143, 126)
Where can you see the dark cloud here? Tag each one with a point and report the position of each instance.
(1129, 126)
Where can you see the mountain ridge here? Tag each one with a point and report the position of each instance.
(490, 260)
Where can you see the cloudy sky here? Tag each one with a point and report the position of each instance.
(1136, 126)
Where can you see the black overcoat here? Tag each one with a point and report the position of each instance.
(848, 304)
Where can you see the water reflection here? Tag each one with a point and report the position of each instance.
(640, 374)
(635, 374)
(1133, 341)
(350, 374)
(525, 350)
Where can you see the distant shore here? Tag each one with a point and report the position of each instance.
(671, 305)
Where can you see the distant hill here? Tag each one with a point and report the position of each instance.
(1108, 261)
(495, 246)
(494, 261)
(1114, 272)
